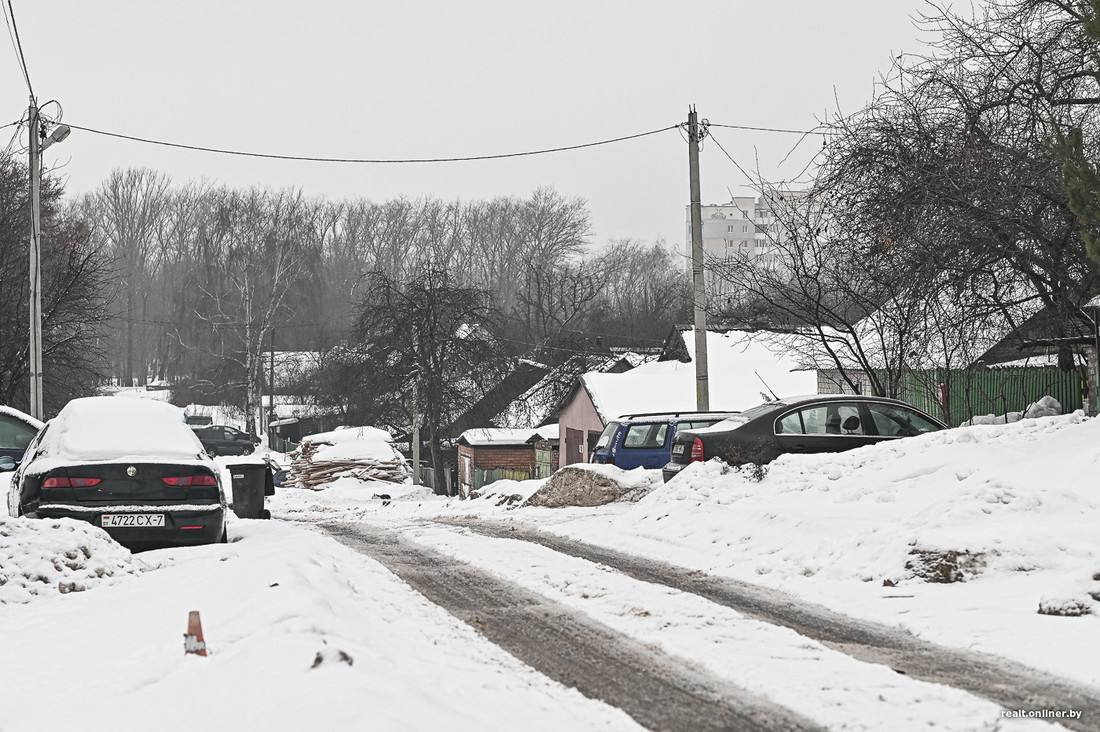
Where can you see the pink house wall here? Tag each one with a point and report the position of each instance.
(580, 416)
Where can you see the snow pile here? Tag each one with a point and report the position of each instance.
(508, 492)
(591, 484)
(364, 453)
(945, 506)
(42, 557)
(1048, 406)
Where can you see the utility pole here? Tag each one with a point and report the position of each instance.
(702, 379)
(271, 382)
(37, 410)
(36, 144)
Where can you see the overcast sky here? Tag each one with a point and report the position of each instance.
(385, 80)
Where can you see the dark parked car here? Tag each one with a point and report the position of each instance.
(224, 440)
(129, 466)
(644, 440)
(16, 432)
(817, 423)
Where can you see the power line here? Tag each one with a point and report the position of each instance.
(13, 32)
(271, 156)
(768, 129)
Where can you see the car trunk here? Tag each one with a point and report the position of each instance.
(128, 483)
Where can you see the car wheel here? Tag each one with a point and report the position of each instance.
(248, 449)
(212, 451)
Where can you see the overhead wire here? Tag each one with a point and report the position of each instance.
(13, 32)
(381, 161)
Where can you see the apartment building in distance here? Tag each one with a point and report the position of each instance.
(746, 226)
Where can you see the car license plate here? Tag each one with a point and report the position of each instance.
(132, 519)
(677, 449)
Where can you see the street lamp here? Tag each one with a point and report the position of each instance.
(38, 143)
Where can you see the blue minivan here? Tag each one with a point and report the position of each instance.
(17, 429)
(645, 440)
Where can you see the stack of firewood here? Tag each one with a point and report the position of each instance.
(313, 474)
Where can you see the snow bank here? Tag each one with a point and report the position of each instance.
(987, 493)
(302, 632)
(46, 557)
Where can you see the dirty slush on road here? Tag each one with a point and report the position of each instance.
(661, 691)
(657, 690)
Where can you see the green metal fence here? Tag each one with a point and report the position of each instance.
(956, 395)
(483, 477)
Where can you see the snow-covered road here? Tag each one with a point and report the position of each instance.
(307, 632)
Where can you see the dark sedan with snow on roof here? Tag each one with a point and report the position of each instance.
(131, 467)
(807, 424)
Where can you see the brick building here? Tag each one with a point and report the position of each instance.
(487, 454)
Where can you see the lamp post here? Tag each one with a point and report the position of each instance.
(38, 143)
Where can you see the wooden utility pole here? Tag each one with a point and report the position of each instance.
(271, 382)
(35, 359)
(702, 379)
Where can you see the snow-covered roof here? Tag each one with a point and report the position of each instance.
(538, 403)
(500, 436)
(947, 331)
(743, 367)
(99, 429)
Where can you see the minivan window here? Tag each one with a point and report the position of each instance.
(697, 424)
(606, 435)
(15, 434)
(648, 436)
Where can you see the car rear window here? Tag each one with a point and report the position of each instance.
(697, 424)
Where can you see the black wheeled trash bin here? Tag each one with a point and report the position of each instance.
(251, 482)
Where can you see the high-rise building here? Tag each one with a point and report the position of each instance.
(747, 226)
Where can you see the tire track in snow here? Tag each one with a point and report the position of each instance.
(660, 692)
(1008, 683)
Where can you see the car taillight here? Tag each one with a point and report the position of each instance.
(187, 480)
(697, 451)
(71, 482)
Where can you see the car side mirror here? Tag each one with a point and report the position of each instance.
(7, 464)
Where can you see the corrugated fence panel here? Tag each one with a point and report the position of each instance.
(956, 396)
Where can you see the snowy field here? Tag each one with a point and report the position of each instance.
(1014, 507)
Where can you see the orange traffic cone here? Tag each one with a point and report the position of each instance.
(192, 639)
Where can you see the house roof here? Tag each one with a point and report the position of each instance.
(743, 367)
(540, 403)
(517, 382)
(505, 436)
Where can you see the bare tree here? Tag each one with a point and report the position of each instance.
(127, 209)
(428, 349)
(75, 279)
